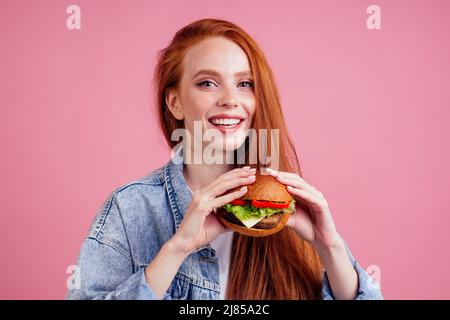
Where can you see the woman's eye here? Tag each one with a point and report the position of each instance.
(249, 84)
(205, 82)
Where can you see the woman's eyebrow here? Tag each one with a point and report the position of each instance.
(211, 72)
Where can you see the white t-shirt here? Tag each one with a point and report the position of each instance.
(222, 245)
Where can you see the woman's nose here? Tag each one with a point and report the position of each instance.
(228, 101)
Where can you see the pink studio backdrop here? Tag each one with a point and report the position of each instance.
(368, 111)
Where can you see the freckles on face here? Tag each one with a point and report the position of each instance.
(225, 89)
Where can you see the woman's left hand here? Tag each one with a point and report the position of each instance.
(318, 228)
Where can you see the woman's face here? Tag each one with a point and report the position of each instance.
(216, 91)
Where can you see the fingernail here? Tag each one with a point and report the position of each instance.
(243, 188)
(246, 167)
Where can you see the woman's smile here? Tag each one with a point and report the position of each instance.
(226, 123)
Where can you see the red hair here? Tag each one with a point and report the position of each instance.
(281, 266)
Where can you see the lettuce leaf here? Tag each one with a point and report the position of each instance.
(248, 211)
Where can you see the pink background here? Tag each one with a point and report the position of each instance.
(368, 111)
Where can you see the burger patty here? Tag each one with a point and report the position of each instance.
(266, 223)
(269, 222)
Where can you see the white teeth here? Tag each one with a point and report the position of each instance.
(225, 121)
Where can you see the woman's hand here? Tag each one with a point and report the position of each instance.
(318, 228)
(199, 226)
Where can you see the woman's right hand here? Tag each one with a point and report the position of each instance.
(199, 226)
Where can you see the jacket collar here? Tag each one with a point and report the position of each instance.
(179, 194)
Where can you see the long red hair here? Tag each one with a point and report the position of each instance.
(281, 266)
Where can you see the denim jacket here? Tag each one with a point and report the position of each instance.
(130, 228)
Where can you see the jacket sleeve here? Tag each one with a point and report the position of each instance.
(368, 289)
(106, 274)
(105, 267)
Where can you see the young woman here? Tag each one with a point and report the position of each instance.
(158, 238)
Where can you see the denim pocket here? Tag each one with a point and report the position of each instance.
(179, 287)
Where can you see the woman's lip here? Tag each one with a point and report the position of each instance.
(226, 116)
(226, 130)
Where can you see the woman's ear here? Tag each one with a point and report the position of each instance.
(173, 103)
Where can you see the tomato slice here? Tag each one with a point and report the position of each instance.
(270, 204)
(238, 202)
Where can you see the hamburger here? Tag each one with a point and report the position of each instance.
(262, 211)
